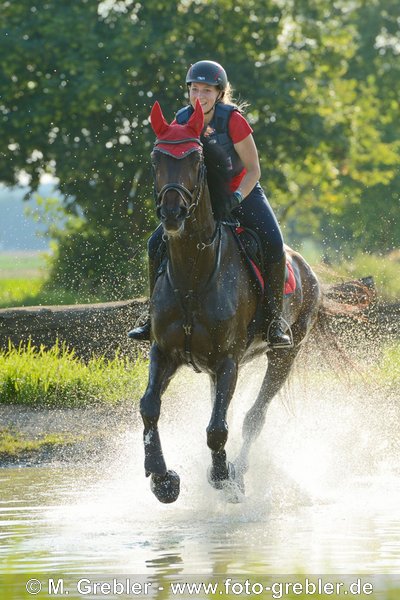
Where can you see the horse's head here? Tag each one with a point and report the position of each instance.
(178, 166)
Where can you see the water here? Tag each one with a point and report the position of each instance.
(323, 493)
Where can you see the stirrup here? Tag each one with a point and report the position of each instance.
(284, 343)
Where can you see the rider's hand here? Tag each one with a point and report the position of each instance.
(234, 200)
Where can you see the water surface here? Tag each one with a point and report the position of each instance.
(323, 494)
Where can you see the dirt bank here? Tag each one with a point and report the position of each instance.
(32, 436)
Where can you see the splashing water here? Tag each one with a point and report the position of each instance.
(322, 492)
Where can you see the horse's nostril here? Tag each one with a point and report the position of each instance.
(173, 213)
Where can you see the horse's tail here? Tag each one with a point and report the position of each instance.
(344, 322)
(351, 300)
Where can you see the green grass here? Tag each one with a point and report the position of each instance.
(22, 275)
(23, 282)
(389, 369)
(35, 292)
(16, 291)
(18, 263)
(23, 278)
(57, 378)
(384, 269)
(15, 445)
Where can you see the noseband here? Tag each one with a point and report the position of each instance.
(190, 198)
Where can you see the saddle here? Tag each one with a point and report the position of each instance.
(250, 247)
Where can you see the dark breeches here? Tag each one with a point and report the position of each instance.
(255, 213)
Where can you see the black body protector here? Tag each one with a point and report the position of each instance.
(218, 132)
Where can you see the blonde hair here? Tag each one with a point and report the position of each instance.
(227, 98)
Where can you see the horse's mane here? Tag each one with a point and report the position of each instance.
(218, 176)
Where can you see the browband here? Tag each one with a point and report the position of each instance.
(184, 141)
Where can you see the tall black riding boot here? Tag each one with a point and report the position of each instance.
(273, 331)
(142, 333)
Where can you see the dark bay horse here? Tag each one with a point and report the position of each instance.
(203, 305)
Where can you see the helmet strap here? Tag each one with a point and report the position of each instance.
(220, 95)
(216, 102)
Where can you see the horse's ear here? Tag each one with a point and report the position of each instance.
(157, 120)
(196, 121)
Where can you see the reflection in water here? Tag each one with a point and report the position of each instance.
(323, 495)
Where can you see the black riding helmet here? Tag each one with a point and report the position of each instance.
(207, 71)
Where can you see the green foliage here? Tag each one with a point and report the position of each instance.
(78, 81)
(57, 378)
(384, 269)
(389, 370)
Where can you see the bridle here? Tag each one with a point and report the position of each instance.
(190, 198)
(187, 298)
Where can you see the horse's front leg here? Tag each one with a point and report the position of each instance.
(164, 483)
(224, 383)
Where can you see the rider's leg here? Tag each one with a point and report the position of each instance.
(274, 278)
(256, 213)
(154, 260)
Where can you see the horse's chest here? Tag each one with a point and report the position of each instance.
(199, 337)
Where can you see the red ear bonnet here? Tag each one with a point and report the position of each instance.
(186, 135)
(157, 120)
(196, 121)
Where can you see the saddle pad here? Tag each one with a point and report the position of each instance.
(290, 280)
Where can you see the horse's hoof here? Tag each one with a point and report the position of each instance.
(218, 477)
(232, 484)
(233, 492)
(166, 488)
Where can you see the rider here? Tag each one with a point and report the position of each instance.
(207, 81)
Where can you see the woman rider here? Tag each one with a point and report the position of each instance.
(208, 82)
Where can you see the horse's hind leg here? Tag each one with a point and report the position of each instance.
(280, 363)
(165, 484)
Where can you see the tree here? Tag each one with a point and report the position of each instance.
(79, 79)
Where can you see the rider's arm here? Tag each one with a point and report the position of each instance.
(248, 154)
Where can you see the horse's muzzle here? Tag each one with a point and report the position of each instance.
(172, 218)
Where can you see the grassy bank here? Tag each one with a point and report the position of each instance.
(17, 447)
(24, 278)
(56, 378)
(53, 381)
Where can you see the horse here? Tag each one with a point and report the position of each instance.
(203, 309)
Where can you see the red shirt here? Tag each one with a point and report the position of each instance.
(238, 129)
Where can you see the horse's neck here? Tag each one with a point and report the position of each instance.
(192, 255)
